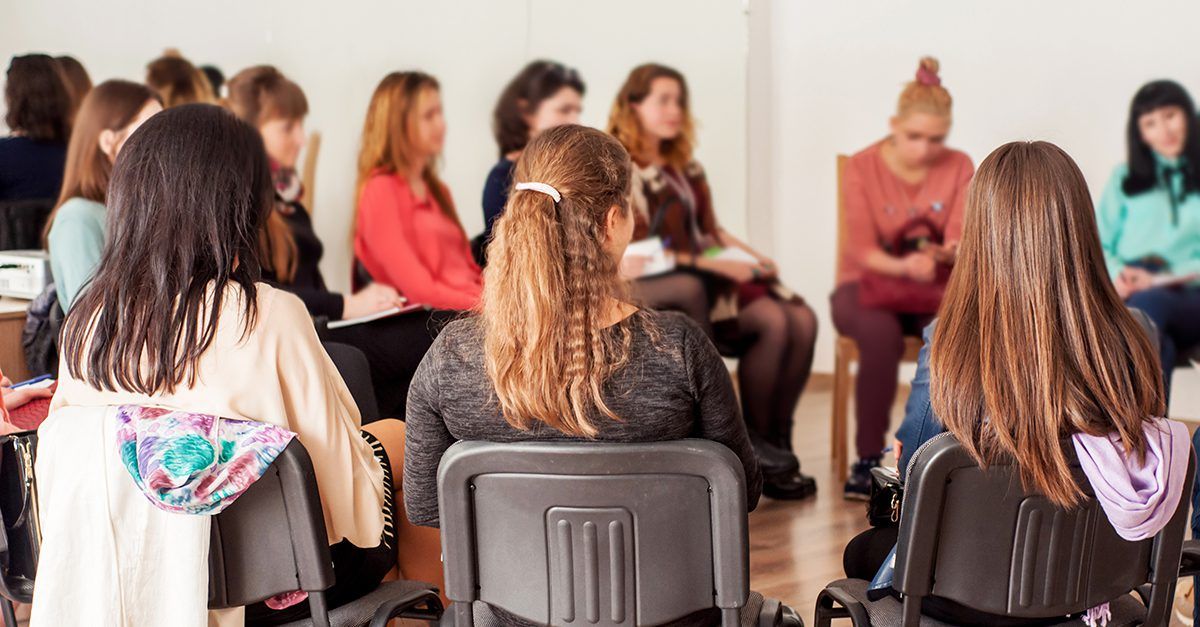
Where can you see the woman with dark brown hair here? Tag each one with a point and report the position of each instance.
(177, 318)
(1035, 358)
(77, 79)
(774, 331)
(544, 94)
(275, 105)
(39, 111)
(75, 229)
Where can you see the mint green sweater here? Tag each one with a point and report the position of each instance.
(76, 241)
(1135, 227)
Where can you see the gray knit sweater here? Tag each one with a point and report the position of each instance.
(673, 387)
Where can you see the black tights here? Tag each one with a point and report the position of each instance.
(774, 369)
(684, 292)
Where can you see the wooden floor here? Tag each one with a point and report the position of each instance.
(796, 547)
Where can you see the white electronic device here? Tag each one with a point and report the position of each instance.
(24, 273)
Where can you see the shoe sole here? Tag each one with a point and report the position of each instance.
(855, 496)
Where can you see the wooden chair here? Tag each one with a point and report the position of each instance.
(845, 354)
(309, 174)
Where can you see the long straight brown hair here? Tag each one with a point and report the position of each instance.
(387, 137)
(549, 281)
(1032, 342)
(110, 106)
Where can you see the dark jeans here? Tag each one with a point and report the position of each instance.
(394, 347)
(879, 335)
(1176, 313)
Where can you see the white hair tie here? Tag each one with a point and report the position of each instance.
(541, 187)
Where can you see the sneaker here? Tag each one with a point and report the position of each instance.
(858, 486)
(790, 486)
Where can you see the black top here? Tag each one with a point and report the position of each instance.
(495, 194)
(309, 285)
(673, 386)
(31, 169)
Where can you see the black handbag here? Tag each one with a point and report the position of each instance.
(887, 494)
(19, 507)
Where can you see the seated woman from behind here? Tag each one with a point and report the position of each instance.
(555, 350)
(176, 317)
(1035, 358)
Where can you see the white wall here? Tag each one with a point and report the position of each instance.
(338, 52)
(1061, 71)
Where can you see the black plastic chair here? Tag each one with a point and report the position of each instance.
(273, 540)
(604, 534)
(977, 538)
(352, 364)
(22, 223)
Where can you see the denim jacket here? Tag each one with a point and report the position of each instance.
(919, 422)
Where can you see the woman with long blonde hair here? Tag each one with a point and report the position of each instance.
(770, 329)
(407, 233)
(1034, 358)
(902, 217)
(556, 350)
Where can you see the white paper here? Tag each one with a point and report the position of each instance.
(736, 254)
(394, 311)
(657, 260)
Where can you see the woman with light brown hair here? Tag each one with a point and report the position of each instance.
(407, 233)
(177, 81)
(769, 328)
(75, 228)
(1035, 358)
(394, 345)
(556, 350)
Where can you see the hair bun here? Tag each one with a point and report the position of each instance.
(927, 72)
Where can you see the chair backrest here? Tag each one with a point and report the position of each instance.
(352, 364)
(842, 233)
(312, 149)
(614, 534)
(272, 539)
(22, 223)
(977, 537)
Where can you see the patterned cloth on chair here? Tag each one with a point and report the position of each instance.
(194, 463)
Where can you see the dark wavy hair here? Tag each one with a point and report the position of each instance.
(189, 195)
(535, 83)
(1142, 175)
(38, 100)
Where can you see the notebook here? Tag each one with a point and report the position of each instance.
(379, 315)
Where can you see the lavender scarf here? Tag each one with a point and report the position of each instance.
(1138, 499)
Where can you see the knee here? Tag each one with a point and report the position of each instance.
(1156, 303)
(390, 433)
(766, 320)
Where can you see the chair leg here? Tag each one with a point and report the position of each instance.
(912, 611)
(10, 615)
(842, 388)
